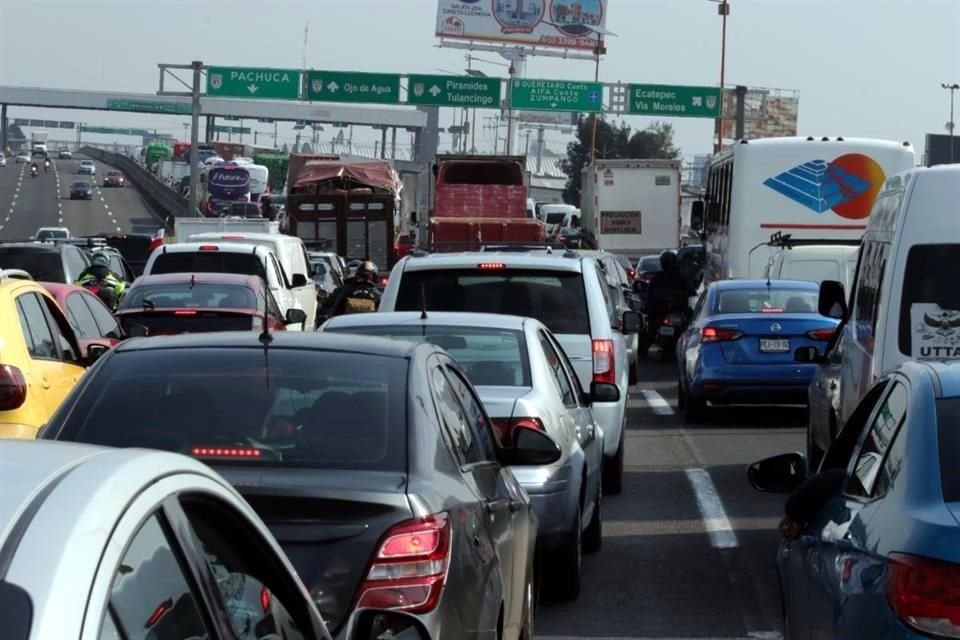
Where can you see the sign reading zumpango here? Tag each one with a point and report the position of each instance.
(620, 222)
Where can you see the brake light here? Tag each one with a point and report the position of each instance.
(265, 598)
(719, 334)
(209, 247)
(13, 388)
(925, 594)
(154, 618)
(604, 366)
(409, 569)
(504, 428)
(631, 273)
(488, 266)
(821, 334)
(772, 310)
(383, 282)
(233, 237)
(226, 452)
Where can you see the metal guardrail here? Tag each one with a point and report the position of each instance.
(165, 203)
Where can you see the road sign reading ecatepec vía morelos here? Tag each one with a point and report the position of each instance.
(672, 100)
(352, 86)
(246, 82)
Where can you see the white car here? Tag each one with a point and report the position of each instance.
(87, 167)
(52, 233)
(566, 292)
(3, 160)
(815, 263)
(136, 558)
(23, 158)
(65, 154)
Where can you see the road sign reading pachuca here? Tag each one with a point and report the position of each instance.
(454, 91)
(348, 86)
(670, 100)
(243, 82)
(556, 95)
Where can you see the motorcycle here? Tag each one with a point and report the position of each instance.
(33, 172)
(666, 328)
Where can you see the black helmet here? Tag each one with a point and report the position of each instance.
(668, 260)
(367, 270)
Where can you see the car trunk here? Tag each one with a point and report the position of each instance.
(157, 322)
(328, 522)
(772, 338)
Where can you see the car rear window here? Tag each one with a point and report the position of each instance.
(209, 262)
(555, 298)
(766, 300)
(555, 218)
(930, 302)
(278, 408)
(184, 295)
(151, 323)
(651, 263)
(44, 266)
(491, 357)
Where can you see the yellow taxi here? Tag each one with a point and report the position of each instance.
(40, 358)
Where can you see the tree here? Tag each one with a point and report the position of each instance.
(613, 141)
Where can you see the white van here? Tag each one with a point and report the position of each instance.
(905, 301)
(294, 263)
(259, 179)
(815, 263)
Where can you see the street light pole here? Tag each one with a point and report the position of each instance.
(723, 10)
(952, 88)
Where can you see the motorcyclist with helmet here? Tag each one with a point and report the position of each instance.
(33, 170)
(669, 291)
(110, 288)
(358, 293)
(46, 164)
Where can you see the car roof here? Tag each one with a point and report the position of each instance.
(510, 260)
(434, 318)
(60, 289)
(231, 247)
(279, 340)
(243, 235)
(821, 250)
(37, 246)
(201, 278)
(945, 374)
(733, 285)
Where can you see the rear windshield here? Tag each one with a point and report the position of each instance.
(766, 300)
(555, 218)
(209, 262)
(80, 185)
(44, 266)
(491, 357)
(183, 295)
(47, 234)
(651, 263)
(930, 303)
(555, 298)
(150, 323)
(317, 409)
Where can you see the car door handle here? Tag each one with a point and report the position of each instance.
(44, 383)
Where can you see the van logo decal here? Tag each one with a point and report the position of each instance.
(846, 185)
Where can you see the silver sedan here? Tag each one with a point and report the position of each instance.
(131, 543)
(524, 379)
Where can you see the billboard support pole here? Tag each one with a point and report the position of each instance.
(741, 93)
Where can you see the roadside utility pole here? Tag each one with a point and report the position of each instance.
(952, 88)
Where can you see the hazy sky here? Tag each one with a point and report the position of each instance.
(861, 67)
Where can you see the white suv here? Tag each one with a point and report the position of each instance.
(568, 293)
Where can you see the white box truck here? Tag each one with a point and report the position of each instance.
(632, 207)
(183, 228)
(38, 143)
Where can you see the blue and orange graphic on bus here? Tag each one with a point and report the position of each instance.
(846, 185)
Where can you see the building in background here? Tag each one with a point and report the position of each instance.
(768, 113)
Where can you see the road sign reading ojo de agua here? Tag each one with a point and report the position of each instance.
(350, 86)
(242, 82)
(454, 91)
(670, 100)
(556, 95)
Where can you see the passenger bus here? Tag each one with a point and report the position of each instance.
(818, 189)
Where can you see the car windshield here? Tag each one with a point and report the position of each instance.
(766, 300)
(43, 266)
(184, 295)
(80, 185)
(555, 298)
(930, 303)
(209, 262)
(490, 356)
(285, 407)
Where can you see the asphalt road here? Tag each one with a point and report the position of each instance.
(688, 549)
(29, 203)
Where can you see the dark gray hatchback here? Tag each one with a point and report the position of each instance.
(372, 461)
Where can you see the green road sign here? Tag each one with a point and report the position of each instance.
(556, 95)
(670, 100)
(114, 131)
(350, 86)
(224, 129)
(149, 107)
(454, 91)
(244, 82)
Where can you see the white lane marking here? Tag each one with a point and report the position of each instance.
(711, 510)
(659, 406)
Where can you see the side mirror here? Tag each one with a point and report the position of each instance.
(295, 316)
(779, 474)
(696, 215)
(94, 351)
(531, 447)
(604, 392)
(298, 280)
(832, 302)
(632, 322)
(374, 624)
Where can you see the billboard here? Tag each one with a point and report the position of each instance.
(938, 149)
(567, 24)
(768, 113)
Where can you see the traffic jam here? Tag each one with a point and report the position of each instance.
(314, 408)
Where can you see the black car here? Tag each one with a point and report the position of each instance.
(81, 190)
(372, 461)
(45, 262)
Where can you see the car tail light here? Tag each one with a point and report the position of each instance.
(771, 310)
(631, 273)
(821, 334)
(209, 247)
(719, 334)
(13, 388)
(505, 427)
(233, 237)
(604, 365)
(490, 266)
(265, 598)
(925, 594)
(409, 569)
(225, 452)
(185, 312)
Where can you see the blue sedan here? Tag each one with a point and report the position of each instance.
(739, 347)
(869, 545)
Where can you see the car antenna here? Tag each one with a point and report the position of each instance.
(265, 337)
(423, 302)
(193, 280)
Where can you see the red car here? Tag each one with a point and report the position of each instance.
(174, 303)
(113, 179)
(90, 318)
(403, 246)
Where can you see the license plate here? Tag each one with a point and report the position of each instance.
(666, 331)
(774, 345)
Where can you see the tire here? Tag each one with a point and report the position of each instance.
(634, 374)
(695, 408)
(593, 536)
(570, 561)
(681, 394)
(613, 470)
(814, 454)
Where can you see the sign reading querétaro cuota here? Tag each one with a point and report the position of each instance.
(566, 24)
